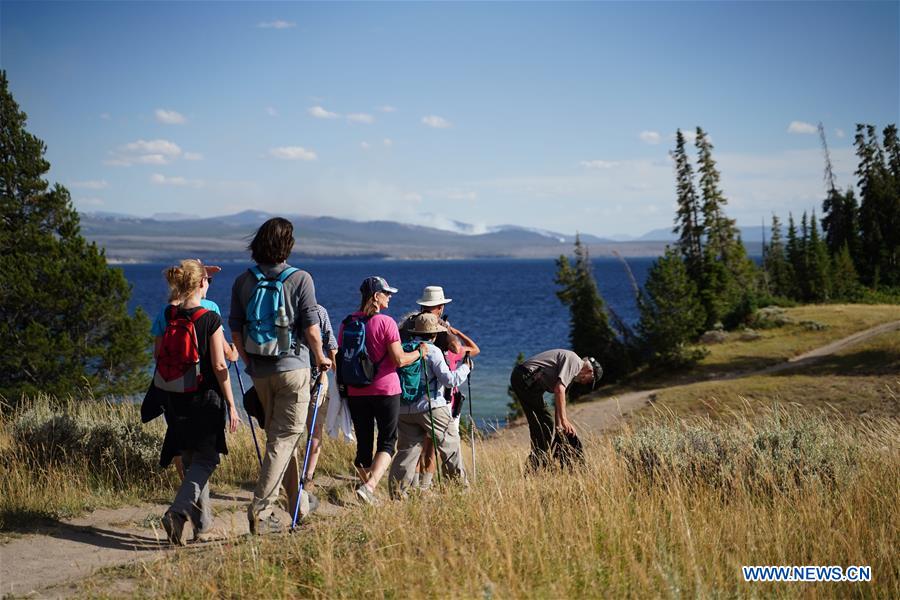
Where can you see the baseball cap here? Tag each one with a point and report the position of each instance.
(371, 285)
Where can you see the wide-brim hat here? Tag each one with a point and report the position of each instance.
(433, 295)
(427, 324)
(372, 285)
(210, 269)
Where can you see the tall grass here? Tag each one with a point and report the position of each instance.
(606, 531)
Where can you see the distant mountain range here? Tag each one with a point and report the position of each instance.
(167, 236)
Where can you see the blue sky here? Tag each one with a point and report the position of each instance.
(552, 115)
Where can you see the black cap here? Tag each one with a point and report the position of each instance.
(371, 285)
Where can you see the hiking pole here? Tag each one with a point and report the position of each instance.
(249, 418)
(434, 446)
(309, 437)
(471, 418)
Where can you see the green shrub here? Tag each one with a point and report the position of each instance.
(779, 453)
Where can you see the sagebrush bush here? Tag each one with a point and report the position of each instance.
(779, 452)
(115, 445)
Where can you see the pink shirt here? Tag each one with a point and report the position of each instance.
(381, 332)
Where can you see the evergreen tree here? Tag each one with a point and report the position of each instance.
(671, 313)
(781, 277)
(590, 333)
(818, 265)
(63, 311)
(891, 224)
(688, 224)
(729, 281)
(873, 216)
(845, 281)
(796, 259)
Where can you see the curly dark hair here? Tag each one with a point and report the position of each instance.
(273, 241)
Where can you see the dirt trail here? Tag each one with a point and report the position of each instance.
(48, 563)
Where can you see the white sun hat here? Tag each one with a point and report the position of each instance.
(433, 295)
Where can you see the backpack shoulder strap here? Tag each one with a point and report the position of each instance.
(282, 277)
(198, 313)
(254, 270)
(171, 311)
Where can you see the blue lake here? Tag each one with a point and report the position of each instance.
(506, 306)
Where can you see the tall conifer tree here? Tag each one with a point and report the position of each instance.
(63, 312)
(776, 265)
(796, 259)
(688, 224)
(818, 264)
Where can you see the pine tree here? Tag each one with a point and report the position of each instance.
(590, 333)
(818, 265)
(688, 223)
(777, 267)
(891, 224)
(671, 313)
(796, 259)
(845, 281)
(871, 174)
(63, 311)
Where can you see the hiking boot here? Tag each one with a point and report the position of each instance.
(270, 524)
(366, 495)
(210, 535)
(174, 523)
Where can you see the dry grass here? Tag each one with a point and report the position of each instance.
(604, 532)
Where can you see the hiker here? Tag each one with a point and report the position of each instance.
(425, 414)
(329, 346)
(159, 327)
(552, 371)
(275, 327)
(369, 373)
(455, 344)
(192, 368)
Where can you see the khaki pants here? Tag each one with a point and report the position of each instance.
(285, 401)
(412, 430)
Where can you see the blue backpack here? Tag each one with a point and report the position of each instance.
(354, 367)
(260, 334)
(413, 377)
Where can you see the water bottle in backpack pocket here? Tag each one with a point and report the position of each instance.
(178, 359)
(268, 331)
(354, 367)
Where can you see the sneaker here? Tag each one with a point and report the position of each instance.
(366, 495)
(173, 523)
(211, 535)
(270, 524)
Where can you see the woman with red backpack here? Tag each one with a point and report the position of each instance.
(191, 366)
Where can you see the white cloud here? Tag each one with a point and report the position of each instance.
(271, 111)
(169, 117)
(387, 109)
(92, 184)
(360, 118)
(193, 156)
(144, 152)
(90, 201)
(105, 116)
(801, 127)
(160, 179)
(436, 122)
(292, 153)
(320, 113)
(598, 164)
(277, 24)
(364, 145)
(840, 133)
(650, 137)
(388, 142)
(413, 197)
(469, 196)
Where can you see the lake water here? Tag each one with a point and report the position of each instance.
(505, 306)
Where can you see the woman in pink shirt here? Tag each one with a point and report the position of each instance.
(379, 402)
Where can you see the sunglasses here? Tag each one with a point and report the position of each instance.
(209, 279)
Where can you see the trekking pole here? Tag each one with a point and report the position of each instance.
(249, 418)
(309, 437)
(471, 419)
(437, 455)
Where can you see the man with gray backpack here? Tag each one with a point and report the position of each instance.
(275, 327)
(424, 412)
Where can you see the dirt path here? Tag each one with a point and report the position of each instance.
(47, 563)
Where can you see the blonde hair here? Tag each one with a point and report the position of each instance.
(184, 279)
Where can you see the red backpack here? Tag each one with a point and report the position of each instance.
(178, 361)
